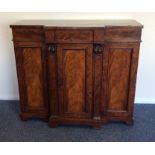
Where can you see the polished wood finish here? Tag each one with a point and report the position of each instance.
(31, 76)
(82, 74)
(75, 80)
(73, 36)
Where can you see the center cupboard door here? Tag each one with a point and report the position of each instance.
(75, 80)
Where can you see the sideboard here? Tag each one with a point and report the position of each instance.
(77, 72)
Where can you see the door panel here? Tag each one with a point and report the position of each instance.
(33, 79)
(75, 79)
(119, 64)
(31, 62)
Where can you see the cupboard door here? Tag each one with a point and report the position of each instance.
(75, 80)
(122, 69)
(31, 75)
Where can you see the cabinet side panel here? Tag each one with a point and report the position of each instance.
(74, 76)
(19, 67)
(33, 76)
(118, 73)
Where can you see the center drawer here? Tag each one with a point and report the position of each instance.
(71, 35)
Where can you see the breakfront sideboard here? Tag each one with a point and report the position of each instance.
(77, 72)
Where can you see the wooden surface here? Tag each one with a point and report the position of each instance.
(78, 23)
(79, 73)
(74, 80)
(75, 77)
(33, 80)
(118, 75)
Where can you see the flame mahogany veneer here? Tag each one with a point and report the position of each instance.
(77, 74)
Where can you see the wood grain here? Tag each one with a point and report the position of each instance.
(52, 82)
(122, 34)
(119, 70)
(74, 80)
(75, 88)
(97, 85)
(73, 36)
(33, 76)
(28, 34)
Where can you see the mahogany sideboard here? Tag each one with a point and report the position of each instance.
(77, 72)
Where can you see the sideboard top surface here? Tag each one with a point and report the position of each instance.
(78, 23)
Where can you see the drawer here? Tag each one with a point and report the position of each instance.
(27, 34)
(74, 36)
(122, 34)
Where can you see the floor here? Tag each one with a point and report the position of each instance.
(14, 130)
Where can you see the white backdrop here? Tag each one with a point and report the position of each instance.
(145, 91)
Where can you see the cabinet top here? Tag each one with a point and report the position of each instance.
(78, 23)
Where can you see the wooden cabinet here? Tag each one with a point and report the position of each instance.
(78, 74)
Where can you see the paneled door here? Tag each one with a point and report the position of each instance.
(122, 68)
(31, 75)
(75, 80)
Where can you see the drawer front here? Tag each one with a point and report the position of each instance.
(27, 34)
(74, 36)
(122, 34)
